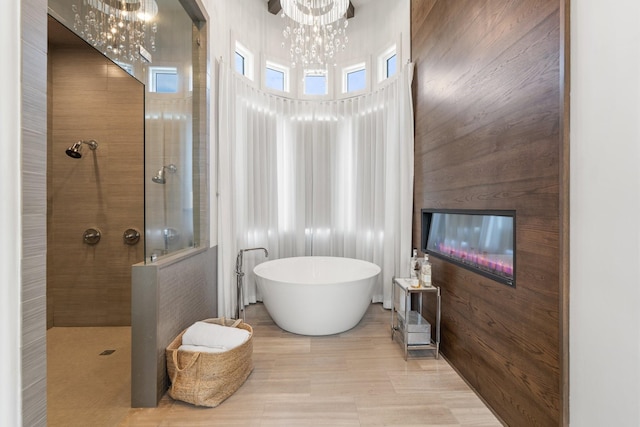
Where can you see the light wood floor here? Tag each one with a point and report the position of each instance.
(357, 378)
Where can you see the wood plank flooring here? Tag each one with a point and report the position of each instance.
(357, 378)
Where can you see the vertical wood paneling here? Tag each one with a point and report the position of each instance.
(565, 91)
(488, 119)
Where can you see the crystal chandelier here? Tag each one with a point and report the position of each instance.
(316, 30)
(121, 29)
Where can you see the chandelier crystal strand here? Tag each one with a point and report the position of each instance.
(316, 31)
(118, 28)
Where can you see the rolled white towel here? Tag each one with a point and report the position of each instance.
(214, 336)
(202, 349)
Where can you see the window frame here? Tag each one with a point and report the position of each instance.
(153, 73)
(386, 66)
(237, 55)
(249, 59)
(315, 72)
(286, 71)
(387, 54)
(360, 66)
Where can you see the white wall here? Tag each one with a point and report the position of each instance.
(605, 214)
(10, 222)
(376, 25)
(373, 28)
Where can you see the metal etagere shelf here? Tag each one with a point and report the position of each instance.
(413, 329)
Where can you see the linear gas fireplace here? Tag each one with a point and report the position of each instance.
(481, 241)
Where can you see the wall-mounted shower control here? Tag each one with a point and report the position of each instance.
(91, 236)
(131, 236)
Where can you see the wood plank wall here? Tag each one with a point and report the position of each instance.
(488, 128)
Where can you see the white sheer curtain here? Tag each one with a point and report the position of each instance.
(302, 178)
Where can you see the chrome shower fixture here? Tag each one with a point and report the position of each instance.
(160, 176)
(75, 151)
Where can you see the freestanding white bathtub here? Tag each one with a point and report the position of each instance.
(316, 295)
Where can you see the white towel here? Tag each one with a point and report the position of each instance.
(202, 349)
(214, 336)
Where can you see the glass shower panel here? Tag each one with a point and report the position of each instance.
(169, 138)
(165, 50)
(168, 183)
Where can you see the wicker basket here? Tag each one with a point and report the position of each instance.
(207, 379)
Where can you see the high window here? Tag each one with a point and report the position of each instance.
(391, 65)
(354, 78)
(239, 63)
(276, 77)
(163, 79)
(243, 61)
(315, 83)
(387, 63)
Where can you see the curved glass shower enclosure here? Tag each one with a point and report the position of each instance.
(152, 41)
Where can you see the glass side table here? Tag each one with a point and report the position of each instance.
(414, 331)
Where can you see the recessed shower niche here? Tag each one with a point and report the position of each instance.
(480, 241)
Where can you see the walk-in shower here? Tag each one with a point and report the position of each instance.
(75, 151)
(118, 188)
(160, 177)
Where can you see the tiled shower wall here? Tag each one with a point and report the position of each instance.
(93, 98)
(34, 211)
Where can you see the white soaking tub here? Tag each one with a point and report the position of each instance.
(316, 295)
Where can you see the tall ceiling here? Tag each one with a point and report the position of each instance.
(355, 4)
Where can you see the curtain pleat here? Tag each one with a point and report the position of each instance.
(303, 178)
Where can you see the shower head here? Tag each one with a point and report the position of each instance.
(75, 151)
(160, 177)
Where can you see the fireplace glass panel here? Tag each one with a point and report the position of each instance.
(482, 241)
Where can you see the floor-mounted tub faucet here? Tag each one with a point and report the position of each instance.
(240, 278)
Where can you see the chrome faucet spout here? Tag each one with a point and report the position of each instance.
(266, 252)
(239, 258)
